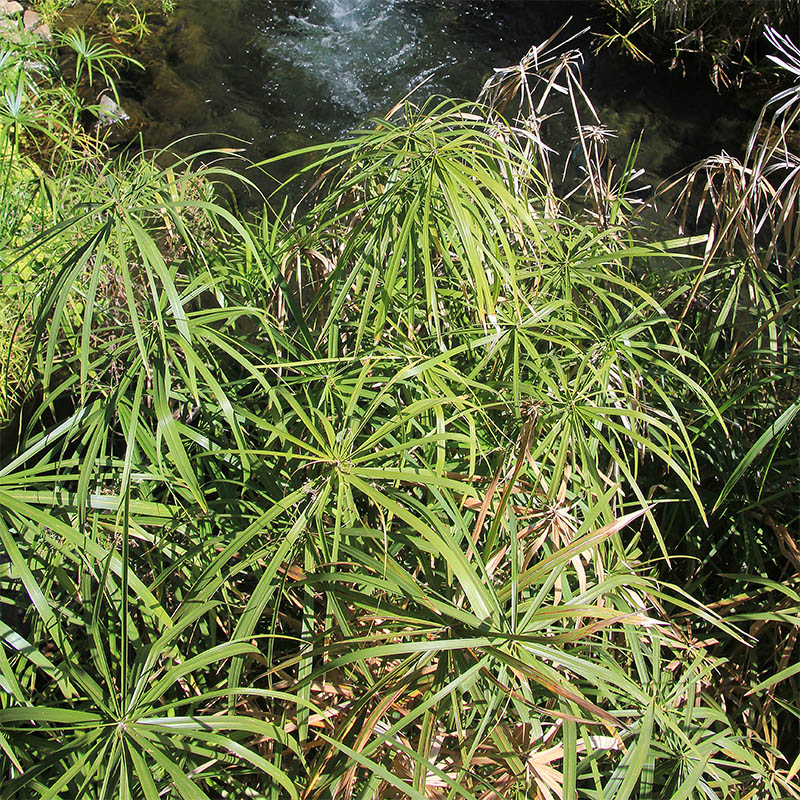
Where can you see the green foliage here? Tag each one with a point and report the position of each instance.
(94, 56)
(720, 33)
(23, 204)
(50, 9)
(372, 498)
(42, 142)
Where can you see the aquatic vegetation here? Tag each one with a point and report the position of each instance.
(420, 488)
(720, 32)
(50, 9)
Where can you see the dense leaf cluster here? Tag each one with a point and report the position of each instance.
(386, 497)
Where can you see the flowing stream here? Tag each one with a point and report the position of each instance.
(281, 74)
(278, 72)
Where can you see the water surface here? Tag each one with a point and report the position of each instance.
(280, 74)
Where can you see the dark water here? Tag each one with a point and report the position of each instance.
(281, 74)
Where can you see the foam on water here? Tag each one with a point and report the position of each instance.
(351, 53)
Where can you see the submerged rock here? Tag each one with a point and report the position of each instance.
(110, 112)
(241, 125)
(191, 48)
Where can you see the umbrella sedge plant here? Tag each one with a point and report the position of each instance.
(393, 540)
